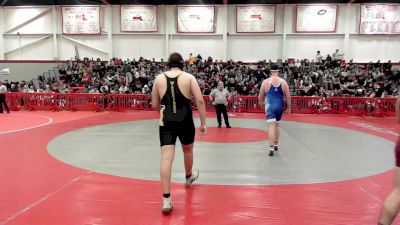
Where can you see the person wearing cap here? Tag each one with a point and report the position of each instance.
(275, 95)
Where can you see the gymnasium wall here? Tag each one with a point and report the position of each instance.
(34, 33)
(25, 70)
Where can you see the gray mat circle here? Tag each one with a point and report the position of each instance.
(308, 153)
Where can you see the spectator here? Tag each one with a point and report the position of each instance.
(123, 89)
(337, 55)
(318, 58)
(306, 77)
(13, 88)
(7, 84)
(3, 102)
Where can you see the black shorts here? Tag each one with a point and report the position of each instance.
(171, 130)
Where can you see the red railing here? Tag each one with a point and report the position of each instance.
(124, 102)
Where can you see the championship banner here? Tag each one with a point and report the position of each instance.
(380, 19)
(255, 19)
(316, 18)
(139, 18)
(195, 19)
(81, 19)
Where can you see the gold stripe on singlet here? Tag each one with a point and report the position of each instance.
(162, 115)
(173, 96)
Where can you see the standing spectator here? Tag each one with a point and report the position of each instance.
(218, 97)
(337, 55)
(129, 78)
(192, 59)
(318, 58)
(388, 66)
(378, 64)
(3, 90)
(8, 85)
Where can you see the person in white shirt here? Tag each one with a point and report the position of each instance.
(145, 89)
(129, 77)
(104, 89)
(47, 89)
(3, 90)
(219, 98)
(123, 89)
(298, 63)
(31, 89)
(337, 56)
(94, 90)
(318, 58)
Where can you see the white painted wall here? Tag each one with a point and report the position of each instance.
(25, 71)
(306, 46)
(254, 48)
(37, 25)
(371, 48)
(203, 45)
(135, 46)
(42, 50)
(1, 32)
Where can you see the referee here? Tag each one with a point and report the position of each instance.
(218, 97)
(3, 90)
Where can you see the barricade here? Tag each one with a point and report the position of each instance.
(246, 104)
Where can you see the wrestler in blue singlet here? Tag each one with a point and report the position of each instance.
(274, 103)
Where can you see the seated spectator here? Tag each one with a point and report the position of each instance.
(328, 77)
(123, 89)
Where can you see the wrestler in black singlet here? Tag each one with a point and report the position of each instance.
(176, 116)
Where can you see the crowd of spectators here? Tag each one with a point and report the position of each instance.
(322, 76)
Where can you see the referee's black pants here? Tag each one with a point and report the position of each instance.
(3, 102)
(221, 108)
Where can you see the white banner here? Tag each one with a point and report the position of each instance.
(81, 19)
(139, 18)
(5, 71)
(380, 19)
(255, 19)
(316, 18)
(195, 19)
